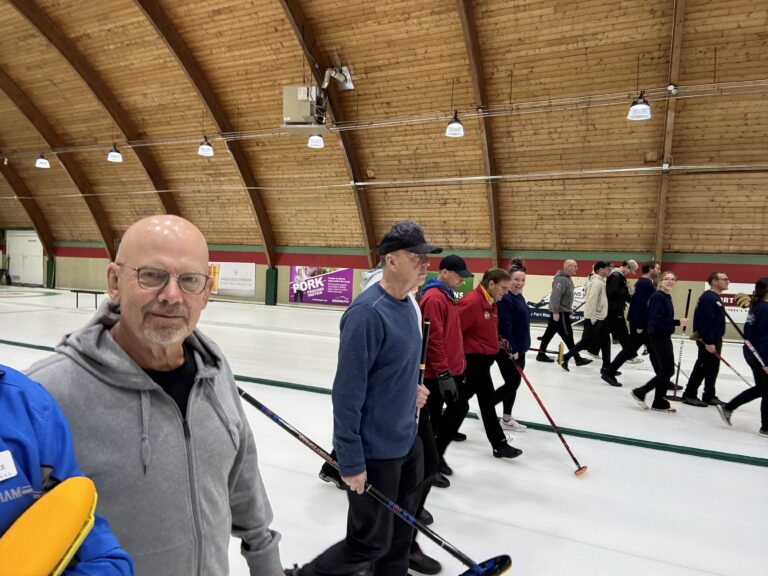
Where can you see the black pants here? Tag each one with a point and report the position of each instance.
(594, 333)
(446, 423)
(374, 535)
(478, 381)
(617, 326)
(706, 369)
(760, 390)
(635, 341)
(508, 392)
(560, 327)
(661, 345)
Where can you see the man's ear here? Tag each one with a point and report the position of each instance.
(113, 289)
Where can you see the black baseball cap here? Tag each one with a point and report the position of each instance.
(600, 265)
(406, 235)
(456, 264)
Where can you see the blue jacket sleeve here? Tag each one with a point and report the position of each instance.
(359, 342)
(100, 553)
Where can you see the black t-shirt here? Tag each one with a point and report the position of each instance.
(178, 383)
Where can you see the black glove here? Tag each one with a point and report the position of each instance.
(448, 389)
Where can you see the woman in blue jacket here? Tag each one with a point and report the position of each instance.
(515, 333)
(661, 326)
(756, 332)
(35, 438)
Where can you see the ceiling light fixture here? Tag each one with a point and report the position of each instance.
(42, 162)
(455, 128)
(205, 148)
(114, 154)
(316, 141)
(640, 109)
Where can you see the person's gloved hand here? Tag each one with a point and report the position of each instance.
(447, 385)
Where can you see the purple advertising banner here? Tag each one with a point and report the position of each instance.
(319, 285)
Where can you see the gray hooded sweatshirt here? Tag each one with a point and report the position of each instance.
(561, 297)
(172, 490)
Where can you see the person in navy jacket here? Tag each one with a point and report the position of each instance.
(515, 334)
(661, 326)
(709, 327)
(36, 454)
(756, 332)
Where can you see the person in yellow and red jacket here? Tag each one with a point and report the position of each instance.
(480, 331)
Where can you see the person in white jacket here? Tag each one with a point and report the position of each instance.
(595, 314)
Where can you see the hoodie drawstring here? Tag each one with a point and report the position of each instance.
(146, 448)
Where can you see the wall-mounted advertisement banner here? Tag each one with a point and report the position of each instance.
(320, 285)
(466, 286)
(233, 278)
(738, 313)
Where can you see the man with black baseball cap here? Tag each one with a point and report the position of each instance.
(375, 399)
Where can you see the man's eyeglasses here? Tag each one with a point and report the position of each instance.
(155, 279)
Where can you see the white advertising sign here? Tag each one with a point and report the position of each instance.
(233, 278)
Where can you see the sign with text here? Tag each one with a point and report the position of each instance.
(738, 313)
(233, 278)
(320, 285)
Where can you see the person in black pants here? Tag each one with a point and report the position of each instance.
(661, 325)
(709, 328)
(756, 332)
(479, 328)
(560, 305)
(515, 333)
(638, 319)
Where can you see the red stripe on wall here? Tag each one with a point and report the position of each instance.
(80, 252)
(237, 256)
(697, 271)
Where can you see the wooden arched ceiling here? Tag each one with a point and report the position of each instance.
(552, 78)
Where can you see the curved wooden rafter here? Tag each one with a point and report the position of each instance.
(72, 168)
(39, 223)
(486, 135)
(308, 44)
(669, 127)
(103, 94)
(189, 64)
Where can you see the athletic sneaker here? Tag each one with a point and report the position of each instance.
(582, 361)
(714, 401)
(506, 451)
(422, 563)
(541, 357)
(440, 481)
(610, 379)
(639, 399)
(425, 517)
(459, 437)
(635, 360)
(725, 414)
(332, 476)
(763, 432)
(513, 425)
(669, 410)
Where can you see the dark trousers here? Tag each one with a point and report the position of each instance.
(594, 333)
(560, 327)
(635, 339)
(374, 535)
(617, 326)
(431, 464)
(706, 369)
(478, 381)
(760, 390)
(661, 345)
(508, 392)
(446, 423)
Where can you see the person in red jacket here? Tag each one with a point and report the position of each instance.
(480, 332)
(444, 370)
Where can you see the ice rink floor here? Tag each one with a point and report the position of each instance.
(662, 496)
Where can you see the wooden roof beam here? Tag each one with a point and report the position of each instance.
(486, 135)
(164, 27)
(103, 94)
(669, 126)
(72, 168)
(30, 207)
(306, 38)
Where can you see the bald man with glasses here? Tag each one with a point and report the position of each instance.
(156, 418)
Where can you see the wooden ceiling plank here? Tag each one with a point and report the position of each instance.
(72, 168)
(103, 94)
(30, 207)
(669, 126)
(167, 31)
(466, 12)
(318, 64)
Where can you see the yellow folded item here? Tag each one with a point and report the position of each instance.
(44, 539)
